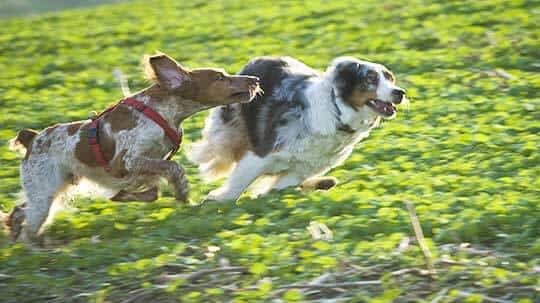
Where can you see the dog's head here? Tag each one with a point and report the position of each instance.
(362, 83)
(207, 86)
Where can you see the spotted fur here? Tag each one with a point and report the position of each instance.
(305, 123)
(60, 156)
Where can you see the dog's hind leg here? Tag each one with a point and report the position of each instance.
(275, 183)
(42, 181)
(287, 181)
(292, 180)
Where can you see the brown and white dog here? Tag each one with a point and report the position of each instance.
(305, 123)
(134, 146)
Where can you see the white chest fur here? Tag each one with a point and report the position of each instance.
(314, 144)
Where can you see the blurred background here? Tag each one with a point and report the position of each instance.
(465, 154)
(20, 8)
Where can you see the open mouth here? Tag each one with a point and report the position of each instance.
(385, 109)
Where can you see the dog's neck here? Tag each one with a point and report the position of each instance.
(320, 110)
(173, 108)
(330, 113)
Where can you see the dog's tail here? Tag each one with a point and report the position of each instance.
(212, 165)
(222, 146)
(12, 222)
(21, 143)
(122, 80)
(4, 220)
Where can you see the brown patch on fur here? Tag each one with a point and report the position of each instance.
(121, 118)
(83, 151)
(239, 152)
(14, 221)
(360, 98)
(73, 127)
(155, 92)
(44, 145)
(241, 146)
(118, 165)
(207, 86)
(50, 129)
(214, 86)
(25, 137)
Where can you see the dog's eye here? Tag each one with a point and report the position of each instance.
(220, 77)
(372, 77)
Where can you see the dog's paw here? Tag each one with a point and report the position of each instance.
(211, 200)
(220, 196)
(182, 196)
(326, 183)
(181, 192)
(320, 183)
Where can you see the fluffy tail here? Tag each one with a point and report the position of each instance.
(122, 80)
(211, 165)
(4, 220)
(222, 146)
(21, 143)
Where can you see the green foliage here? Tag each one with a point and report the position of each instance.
(465, 153)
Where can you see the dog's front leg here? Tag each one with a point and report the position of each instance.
(246, 171)
(174, 173)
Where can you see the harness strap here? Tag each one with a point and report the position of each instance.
(170, 132)
(93, 131)
(93, 140)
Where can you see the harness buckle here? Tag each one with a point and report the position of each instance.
(93, 135)
(92, 132)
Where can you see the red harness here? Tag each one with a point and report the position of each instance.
(93, 131)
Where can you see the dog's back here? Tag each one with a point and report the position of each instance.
(230, 131)
(304, 124)
(126, 149)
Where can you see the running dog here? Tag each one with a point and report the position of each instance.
(304, 124)
(127, 148)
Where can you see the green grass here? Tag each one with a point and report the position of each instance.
(465, 153)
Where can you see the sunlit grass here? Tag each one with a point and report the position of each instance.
(465, 152)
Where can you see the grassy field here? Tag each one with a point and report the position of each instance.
(466, 154)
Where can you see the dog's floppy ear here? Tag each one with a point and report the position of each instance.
(166, 71)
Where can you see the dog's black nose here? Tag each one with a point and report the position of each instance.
(398, 95)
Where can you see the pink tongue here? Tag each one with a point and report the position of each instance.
(383, 107)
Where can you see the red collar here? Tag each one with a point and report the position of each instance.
(93, 133)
